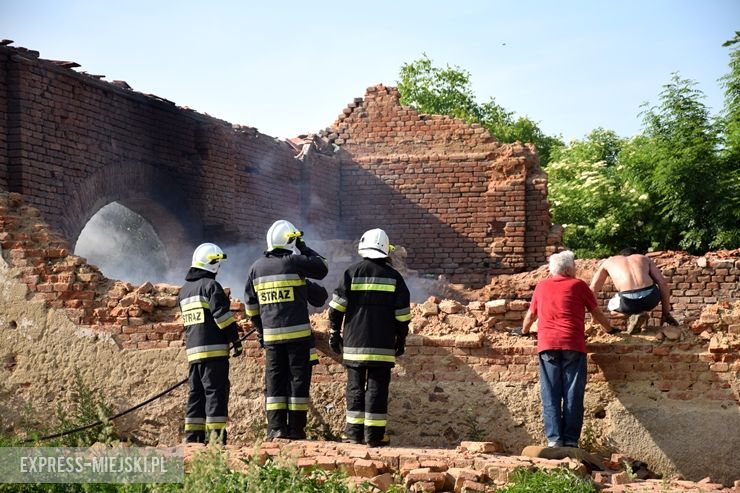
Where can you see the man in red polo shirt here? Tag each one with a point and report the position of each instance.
(559, 304)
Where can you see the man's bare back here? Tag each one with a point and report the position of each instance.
(631, 272)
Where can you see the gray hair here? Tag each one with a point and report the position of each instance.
(563, 263)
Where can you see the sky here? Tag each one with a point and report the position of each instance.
(289, 68)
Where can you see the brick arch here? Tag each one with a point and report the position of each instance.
(147, 191)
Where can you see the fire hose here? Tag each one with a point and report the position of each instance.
(122, 413)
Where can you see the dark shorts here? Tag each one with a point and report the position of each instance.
(635, 300)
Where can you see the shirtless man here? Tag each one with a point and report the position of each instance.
(640, 286)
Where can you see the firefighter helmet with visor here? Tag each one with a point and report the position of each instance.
(374, 244)
(208, 257)
(282, 234)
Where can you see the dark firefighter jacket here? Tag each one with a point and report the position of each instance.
(317, 296)
(206, 316)
(373, 300)
(276, 294)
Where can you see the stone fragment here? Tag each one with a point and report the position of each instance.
(469, 340)
(518, 305)
(461, 323)
(437, 479)
(428, 309)
(422, 487)
(621, 478)
(145, 303)
(457, 476)
(671, 332)
(718, 344)
(495, 306)
(480, 447)
(305, 462)
(417, 325)
(127, 300)
(145, 288)
(450, 306)
(477, 306)
(326, 463)
(434, 465)
(382, 481)
(472, 487)
(166, 301)
(365, 468)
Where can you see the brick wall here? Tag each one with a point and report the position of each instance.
(75, 143)
(462, 204)
(460, 361)
(694, 281)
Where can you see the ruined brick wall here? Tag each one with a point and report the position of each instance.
(3, 123)
(75, 143)
(465, 205)
(694, 281)
(453, 196)
(462, 373)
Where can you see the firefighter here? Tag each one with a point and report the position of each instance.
(317, 296)
(276, 297)
(210, 330)
(373, 302)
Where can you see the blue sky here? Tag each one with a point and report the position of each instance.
(291, 67)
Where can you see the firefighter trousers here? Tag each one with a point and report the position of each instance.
(287, 383)
(367, 402)
(208, 400)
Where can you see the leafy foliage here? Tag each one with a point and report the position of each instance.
(447, 91)
(675, 186)
(590, 197)
(553, 481)
(87, 406)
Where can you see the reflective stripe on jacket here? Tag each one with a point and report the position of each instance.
(277, 293)
(206, 316)
(372, 301)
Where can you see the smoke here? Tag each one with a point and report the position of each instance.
(124, 246)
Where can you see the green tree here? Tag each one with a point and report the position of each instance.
(678, 161)
(447, 91)
(590, 196)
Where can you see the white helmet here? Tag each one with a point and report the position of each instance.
(208, 257)
(374, 244)
(282, 234)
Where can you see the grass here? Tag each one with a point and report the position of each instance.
(208, 471)
(552, 481)
(474, 433)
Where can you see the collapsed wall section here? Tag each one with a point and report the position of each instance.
(463, 204)
(462, 376)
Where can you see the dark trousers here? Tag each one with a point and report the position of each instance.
(367, 402)
(208, 400)
(562, 387)
(287, 384)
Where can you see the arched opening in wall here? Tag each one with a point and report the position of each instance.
(124, 245)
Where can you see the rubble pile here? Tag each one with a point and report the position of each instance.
(471, 467)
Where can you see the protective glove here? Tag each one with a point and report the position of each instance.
(236, 349)
(400, 346)
(336, 342)
(667, 318)
(517, 331)
(300, 243)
